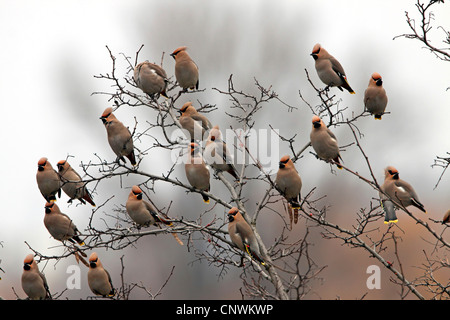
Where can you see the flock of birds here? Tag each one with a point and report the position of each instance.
(152, 80)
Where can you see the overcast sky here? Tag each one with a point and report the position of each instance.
(51, 51)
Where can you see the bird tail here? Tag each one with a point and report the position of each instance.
(418, 205)
(88, 198)
(205, 198)
(252, 254)
(233, 172)
(132, 158)
(346, 85)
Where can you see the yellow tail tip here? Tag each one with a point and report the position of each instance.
(353, 92)
(206, 201)
(391, 221)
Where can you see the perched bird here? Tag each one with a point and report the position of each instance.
(119, 137)
(216, 153)
(59, 225)
(196, 170)
(72, 184)
(446, 217)
(34, 283)
(288, 181)
(400, 191)
(242, 235)
(329, 69)
(143, 212)
(186, 71)
(389, 209)
(194, 122)
(324, 142)
(48, 180)
(151, 78)
(375, 98)
(99, 279)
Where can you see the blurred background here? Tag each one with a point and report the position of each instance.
(51, 51)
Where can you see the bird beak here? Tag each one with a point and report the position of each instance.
(281, 165)
(314, 55)
(172, 55)
(395, 176)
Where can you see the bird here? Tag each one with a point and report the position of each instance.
(186, 71)
(400, 191)
(34, 283)
(99, 279)
(194, 122)
(59, 225)
(242, 235)
(151, 79)
(289, 183)
(375, 98)
(142, 212)
(324, 142)
(72, 184)
(329, 70)
(48, 180)
(119, 137)
(446, 217)
(389, 209)
(197, 171)
(216, 153)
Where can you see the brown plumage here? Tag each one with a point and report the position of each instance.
(34, 283)
(194, 122)
(216, 153)
(241, 234)
(400, 191)
(72, 183)
(99, 279)
(186, 71)
(446, 217)
(324, 142)
(48, 180)
(119, 137)
(288, 181)
(59, 225)
(329, 70)
(196, 170)
(143, 212)
(151, 79)
(375, 98)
